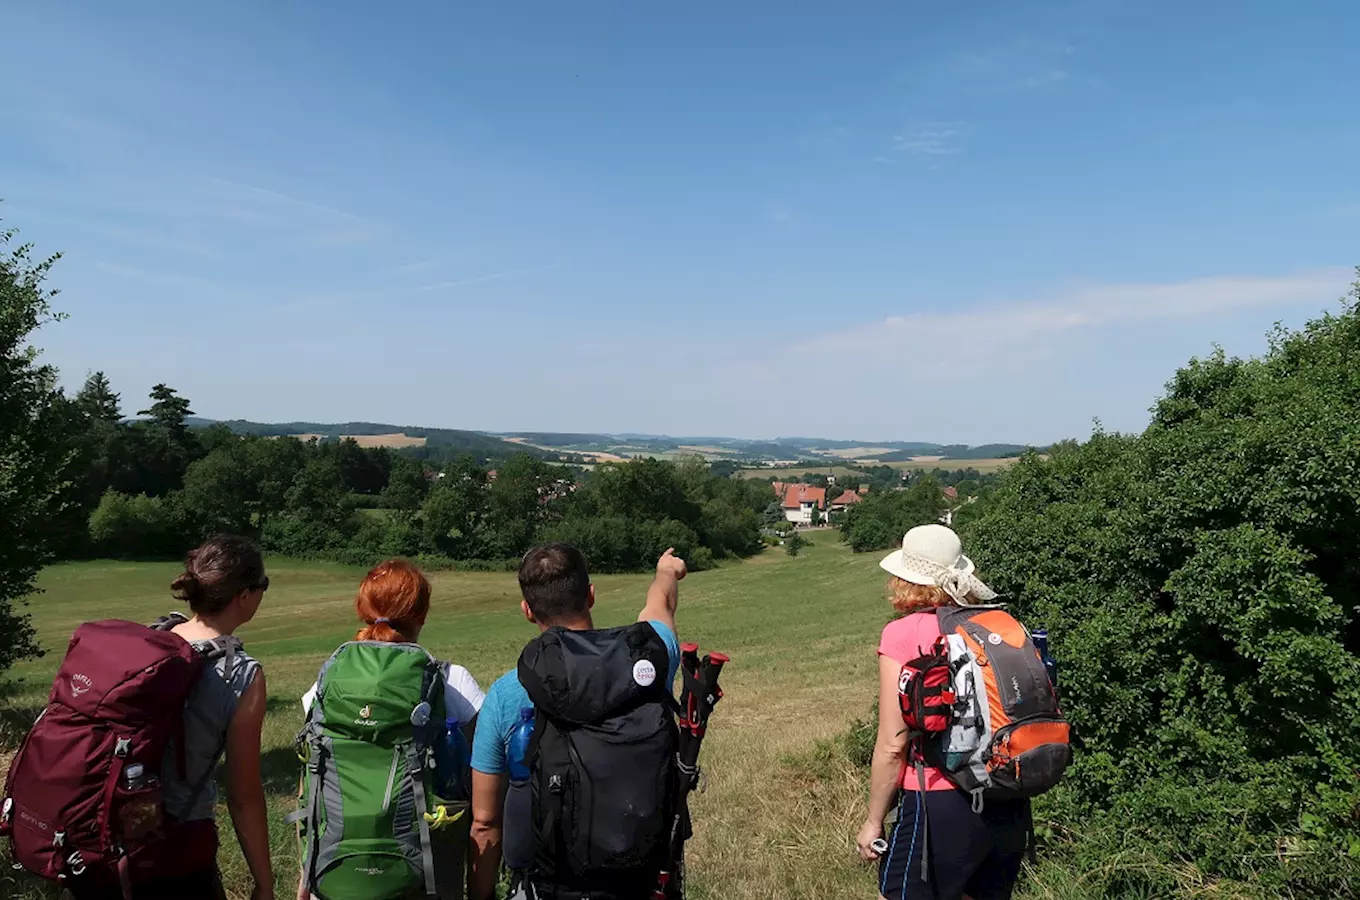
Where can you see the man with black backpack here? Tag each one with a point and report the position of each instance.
(584, 807)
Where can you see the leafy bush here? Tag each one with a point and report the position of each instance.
(1201, 583)
(880, 520)
(124, 526)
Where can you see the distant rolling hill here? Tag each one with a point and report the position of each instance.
(442, 442)
(438, 441)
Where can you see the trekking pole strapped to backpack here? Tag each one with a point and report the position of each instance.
(701, 692)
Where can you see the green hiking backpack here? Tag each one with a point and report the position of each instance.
(366, 805)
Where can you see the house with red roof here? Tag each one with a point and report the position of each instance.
(846, 500)
(799, 501)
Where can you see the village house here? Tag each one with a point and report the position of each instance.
(846, 500)
(799, 501)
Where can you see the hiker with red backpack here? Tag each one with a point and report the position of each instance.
(969, 729)
(112, 793)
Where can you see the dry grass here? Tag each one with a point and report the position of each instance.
(855, 453)
(395, 441)
(926, 463)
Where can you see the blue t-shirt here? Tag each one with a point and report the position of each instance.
(500, 710)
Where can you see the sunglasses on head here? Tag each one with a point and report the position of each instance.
(262, 585)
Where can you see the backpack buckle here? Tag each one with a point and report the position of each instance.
(555, 783)
(59, 839)
(122, 747)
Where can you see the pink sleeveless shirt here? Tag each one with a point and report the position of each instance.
(904, 640)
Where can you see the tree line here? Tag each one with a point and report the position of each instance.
(153, 487)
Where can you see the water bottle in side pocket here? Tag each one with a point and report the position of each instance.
(451, 762)
(520, 846)
(1040, 638)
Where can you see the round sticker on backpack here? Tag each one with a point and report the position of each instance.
(644, 673)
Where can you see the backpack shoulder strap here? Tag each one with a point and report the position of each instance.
(169, 621)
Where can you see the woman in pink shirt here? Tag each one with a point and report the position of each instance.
(972, 856)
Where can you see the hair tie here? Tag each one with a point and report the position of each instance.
(382, 621)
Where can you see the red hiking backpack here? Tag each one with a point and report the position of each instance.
(77, 809)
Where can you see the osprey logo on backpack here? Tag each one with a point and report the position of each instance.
(80, 684)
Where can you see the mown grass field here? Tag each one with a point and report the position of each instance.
(781, 804)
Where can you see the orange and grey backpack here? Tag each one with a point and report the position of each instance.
(994, 727)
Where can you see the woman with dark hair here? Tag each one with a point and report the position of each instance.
(223, 584)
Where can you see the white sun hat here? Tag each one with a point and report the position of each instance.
(933, 555)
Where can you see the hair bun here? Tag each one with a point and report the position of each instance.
(186, 587)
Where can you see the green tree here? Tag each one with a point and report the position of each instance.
(880, 520)
(406, 486)
(34, 447)
(453, 517)
(164, 446)
(98, 401)
(219, 494)
(168, 410)
(521, 500)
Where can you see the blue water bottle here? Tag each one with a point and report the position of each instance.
(519, 842)
(451, 762)
(520, 736)
(1040, 638)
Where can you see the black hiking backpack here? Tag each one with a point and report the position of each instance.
(603, 758)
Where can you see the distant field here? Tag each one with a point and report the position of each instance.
(396, 441)
(838, 471)
(919, 464)
(855, 453)
(592, 455)
(982, 465)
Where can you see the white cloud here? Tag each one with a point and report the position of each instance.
(994, 332)
(930, 139)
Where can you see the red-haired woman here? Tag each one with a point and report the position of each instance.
(393, 603)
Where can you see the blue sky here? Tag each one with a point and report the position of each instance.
(908, 220)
